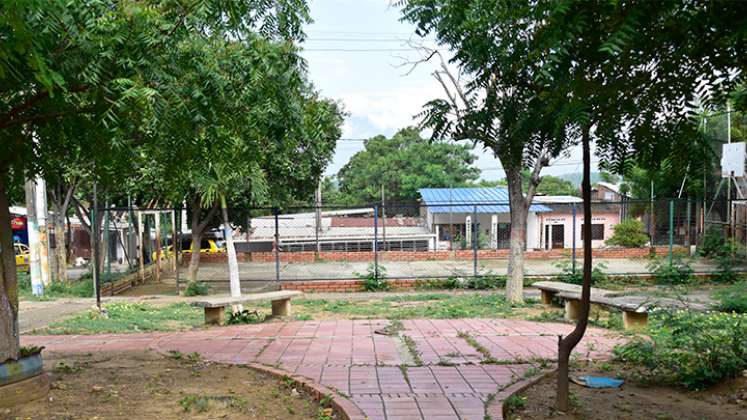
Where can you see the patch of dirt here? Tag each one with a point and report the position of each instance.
(152, 288)
(149, 386)
(634, 400)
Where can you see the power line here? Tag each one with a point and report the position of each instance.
(402, 40)
(363, 49)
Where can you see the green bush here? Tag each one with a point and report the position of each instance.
(568, 276)
(713, 241)
(630, 233)
(196, 288)
(374, 281)
(733, 298)
(730, 254)
(694, 350)
(677, 273)
(485, 281)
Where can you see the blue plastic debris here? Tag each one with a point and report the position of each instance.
(601, 382)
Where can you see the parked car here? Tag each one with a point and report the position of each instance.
(22, 256)
(207, 246)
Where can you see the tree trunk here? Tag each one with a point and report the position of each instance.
(566, 345)
(198, 227)
(9, 339)
(519, 211)
(233, 265)
(60, 249)
(194, 260)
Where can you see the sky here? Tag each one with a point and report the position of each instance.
(355, 52)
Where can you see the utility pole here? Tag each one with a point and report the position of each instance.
(37, 286)
(41, 220)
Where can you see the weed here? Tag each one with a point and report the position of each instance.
(514, 402)
(733, 298)
(694, 350)
(176, 355)
(62, 367)
(678, 272)
(244, 317)
(303, 317)
(199, 403)
(374, 279)
(413, 349)
(196, 289)
(487, 358)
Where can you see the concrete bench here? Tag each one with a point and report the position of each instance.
(635, 309)
(215, 308)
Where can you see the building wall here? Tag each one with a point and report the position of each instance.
(608, 219)
(485, 221)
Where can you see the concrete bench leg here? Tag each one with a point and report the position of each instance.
(547, 296)
(572, 309)
(281, 307)
(216, 316)
(635, 320)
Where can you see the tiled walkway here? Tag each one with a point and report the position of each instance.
(438, 375)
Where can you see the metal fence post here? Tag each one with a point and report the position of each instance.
(573, 251)
(475, 232)
(688, 231)
(276, 212)
(95, 237)
(177, 245)
(376, 243)
(671, 229)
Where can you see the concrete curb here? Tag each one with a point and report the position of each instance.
(345, 408)
(496, 411)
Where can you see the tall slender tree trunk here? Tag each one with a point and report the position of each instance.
(60, 249)
(233, 265)
(9, 339)
(567, 344)
(519, 211)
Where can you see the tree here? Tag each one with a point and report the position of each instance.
(105, 61)
(403, 164)
(623, 70)
(493, 98)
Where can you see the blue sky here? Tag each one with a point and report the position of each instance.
(354, 51)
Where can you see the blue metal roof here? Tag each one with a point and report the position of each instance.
(466, 200)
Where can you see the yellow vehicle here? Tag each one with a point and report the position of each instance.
(207, 246)
(22, 255)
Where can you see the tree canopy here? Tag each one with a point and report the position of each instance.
(401, 165)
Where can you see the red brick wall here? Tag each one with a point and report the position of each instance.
(310, 256)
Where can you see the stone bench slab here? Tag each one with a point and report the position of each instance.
(222, 302)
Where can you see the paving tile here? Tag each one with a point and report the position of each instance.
(349, 356)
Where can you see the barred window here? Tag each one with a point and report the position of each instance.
(597, 232)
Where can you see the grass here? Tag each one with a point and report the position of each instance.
(427, 305)
(55, 290)
(130, 318)
(487, 358)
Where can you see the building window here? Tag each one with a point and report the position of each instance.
(597, 232)
(609, 196)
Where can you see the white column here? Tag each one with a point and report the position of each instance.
(494, 231)
(468, 231)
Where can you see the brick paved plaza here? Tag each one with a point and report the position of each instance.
(440, 378)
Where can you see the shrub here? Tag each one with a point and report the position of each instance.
(677, 273)
(485, 281)
(713, 241)
(727, 256)
(374, 281)
(568, 276)
(733, 298)
(630, 233)
(694, 350)
(196, 288)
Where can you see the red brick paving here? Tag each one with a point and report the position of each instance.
(348, 356)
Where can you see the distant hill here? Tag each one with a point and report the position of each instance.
(575, 178)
